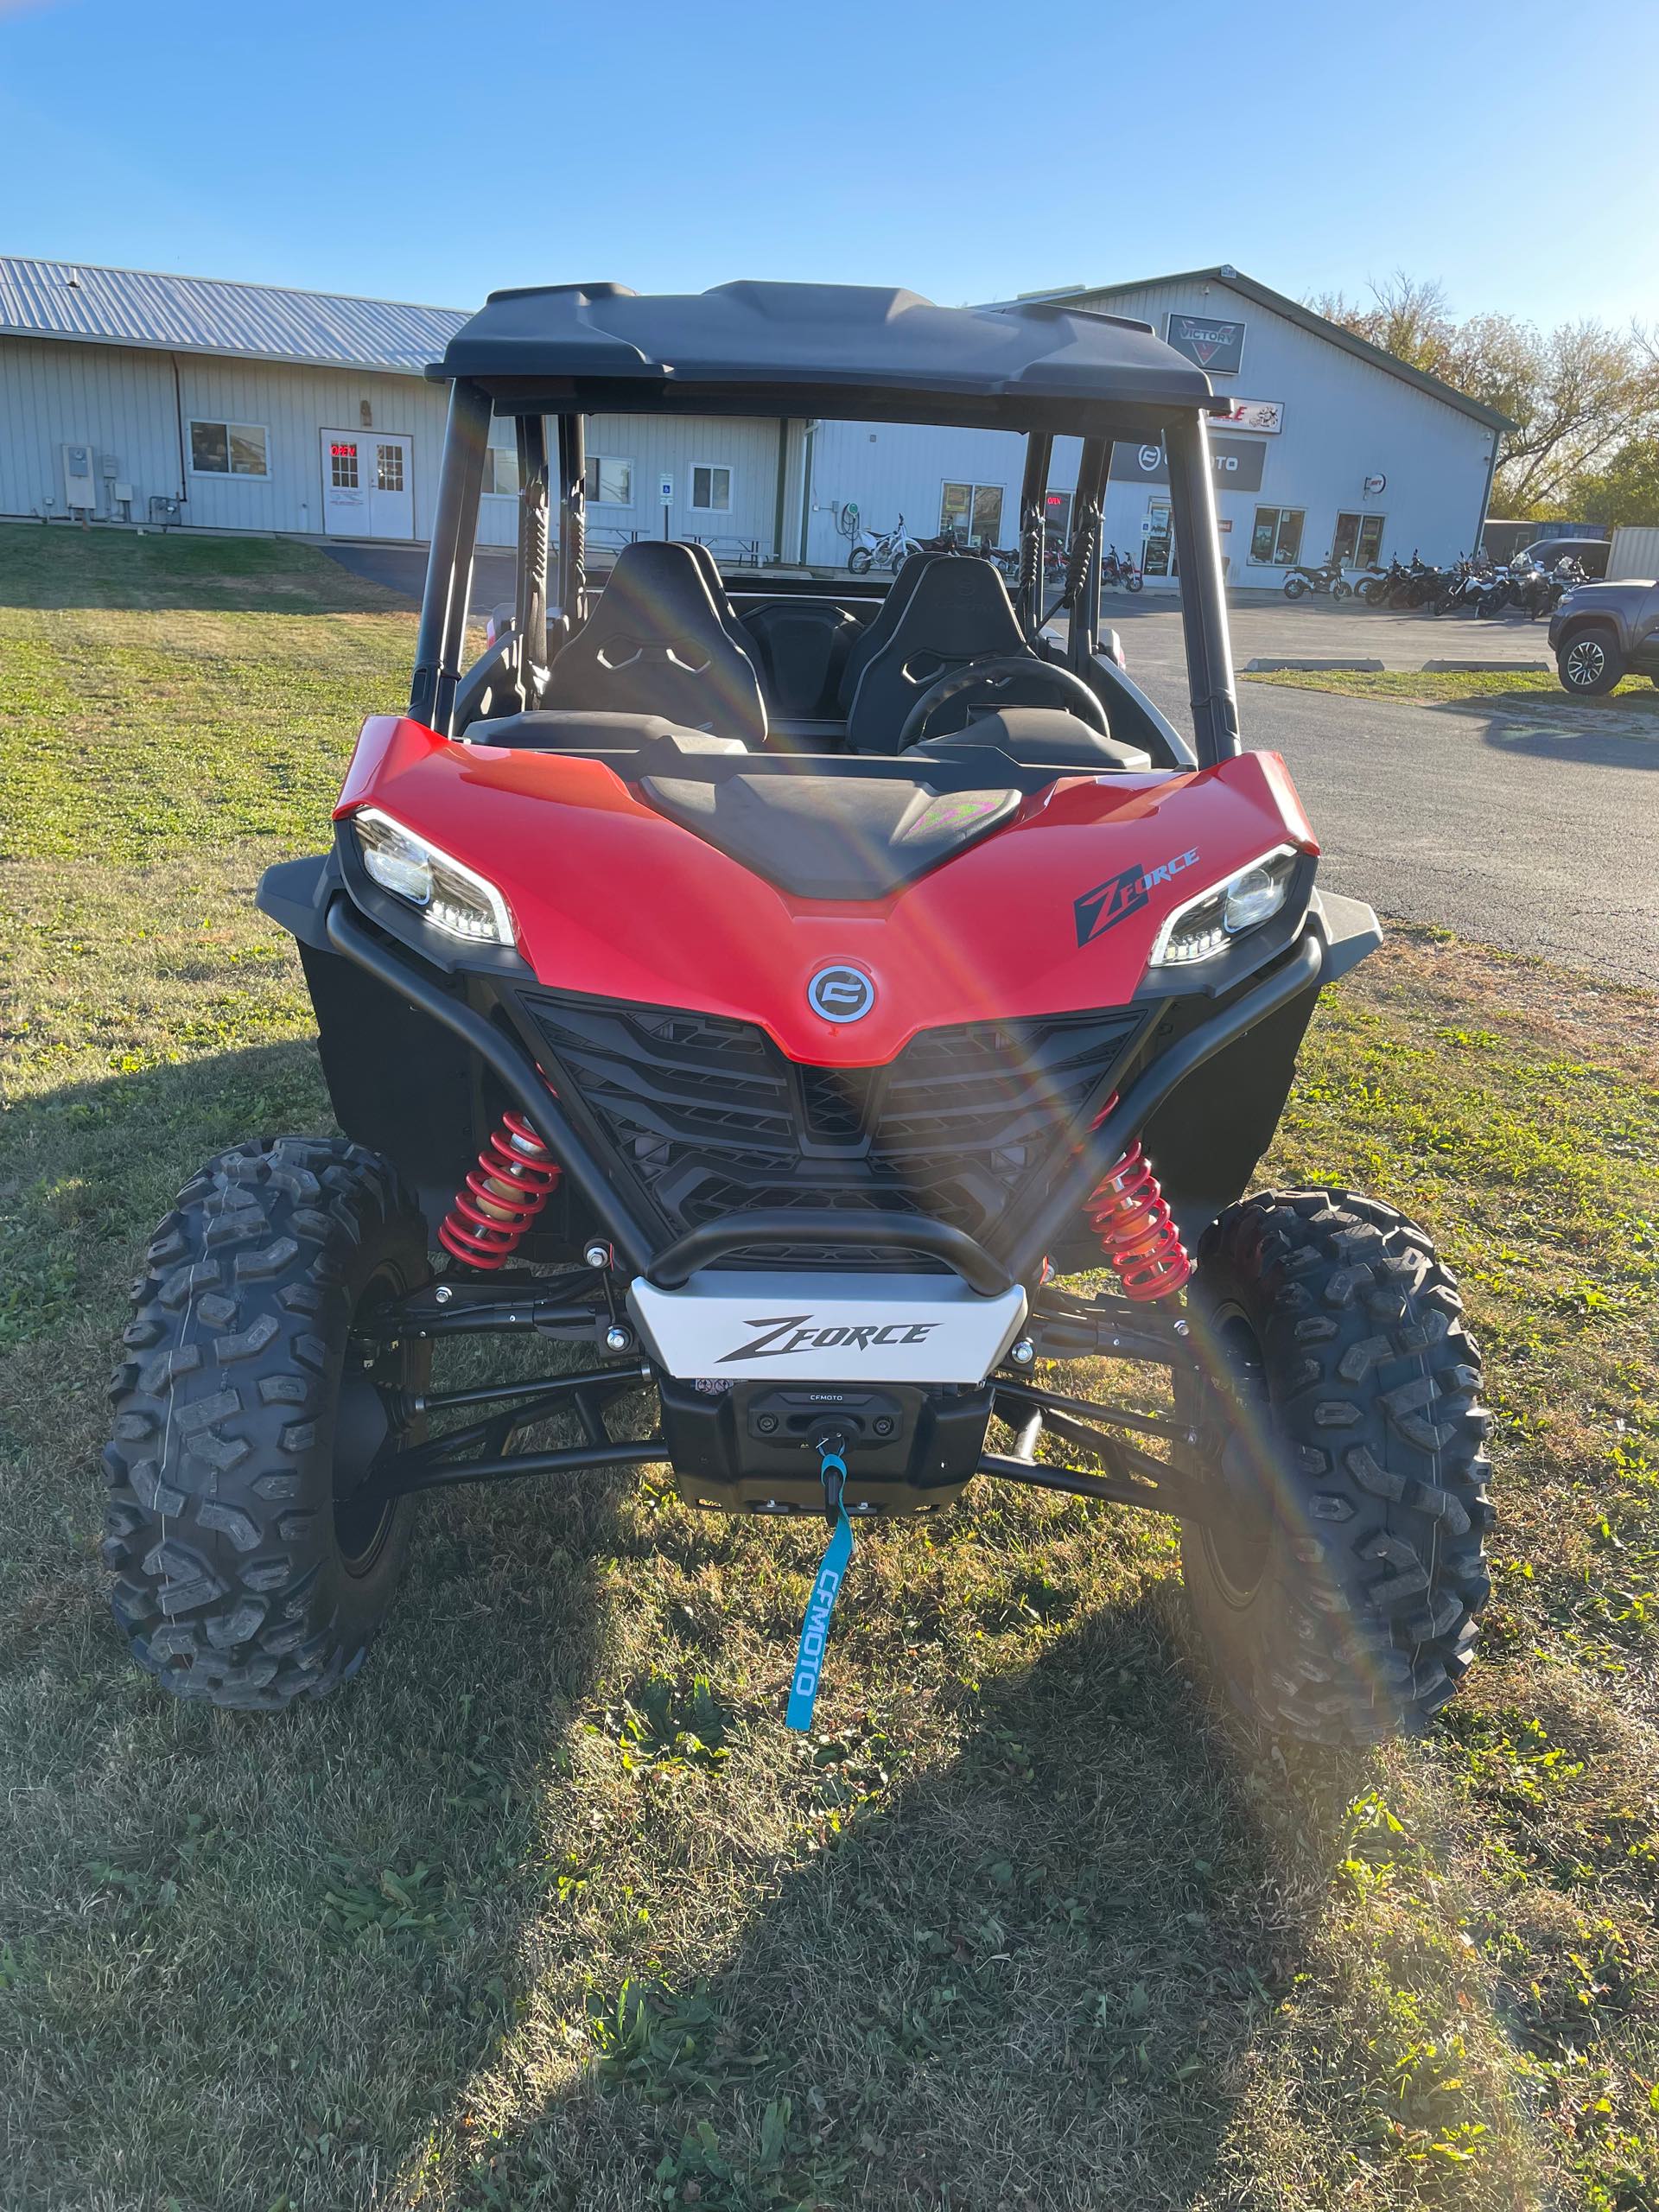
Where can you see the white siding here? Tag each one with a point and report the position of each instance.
(894, 468)
(53, 394)
(1344, 421)
(121, 400)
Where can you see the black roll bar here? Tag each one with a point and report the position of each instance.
(1022, 1252)
(441, 640)
(529, 647)
(516, 1071)
(573, 519)
(1080, 595)
(1204, 598)
(1034, 518)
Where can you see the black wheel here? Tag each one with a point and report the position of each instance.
(1133, 581)
(1338, 1584)
(1590, 664)
(858, 561)
(252, 1566)
(1295, 586)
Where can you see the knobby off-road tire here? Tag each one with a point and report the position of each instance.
(1341, 1419)
(244, 1418)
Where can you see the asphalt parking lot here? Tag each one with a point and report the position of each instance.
(1270, 626)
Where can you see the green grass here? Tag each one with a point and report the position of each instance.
(1516, 687)
(546, 1909)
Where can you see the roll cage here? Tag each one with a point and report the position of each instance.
(554, 356)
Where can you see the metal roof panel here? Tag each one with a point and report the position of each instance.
(206, 315)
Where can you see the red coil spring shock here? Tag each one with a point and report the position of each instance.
(513, 1180)
(1127, 1210)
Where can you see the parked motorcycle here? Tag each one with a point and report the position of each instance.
(1325, 576)
(1119, 568)
(1491, 592)
(890, 547)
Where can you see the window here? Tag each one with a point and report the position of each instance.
(971, 511)
(711, 489)
(1358, 540)
(342, 465)
(1276, 537)
(389, 468)
(501, 460)
(987, 514)
(608, 483)
(1056, 519)
(229, 449)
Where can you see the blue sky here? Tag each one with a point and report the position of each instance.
(969, 150)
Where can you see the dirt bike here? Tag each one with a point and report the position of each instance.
(892, 548)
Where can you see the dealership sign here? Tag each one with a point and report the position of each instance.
(1236, 463)
(1217, 346)
(1266, 415)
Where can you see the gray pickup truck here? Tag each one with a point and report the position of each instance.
(1601, 632)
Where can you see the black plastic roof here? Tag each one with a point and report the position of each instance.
(793, 349)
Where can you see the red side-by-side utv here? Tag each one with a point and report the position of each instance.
(825, 1008)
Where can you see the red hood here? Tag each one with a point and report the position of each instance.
(612, 900)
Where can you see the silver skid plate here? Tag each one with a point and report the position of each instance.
(826, 1328)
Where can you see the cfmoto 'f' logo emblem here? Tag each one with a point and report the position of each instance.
(841, 993)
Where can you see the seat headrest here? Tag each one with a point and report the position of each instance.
(656, 582)
(961, 605)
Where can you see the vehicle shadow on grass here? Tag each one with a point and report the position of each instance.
(335, 1898)
(1035, 1976)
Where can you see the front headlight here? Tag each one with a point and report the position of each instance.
(1208, 924)
(452, 896)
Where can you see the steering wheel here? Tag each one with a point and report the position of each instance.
(1010, 674)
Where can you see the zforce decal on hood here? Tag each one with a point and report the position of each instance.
(1120, 896)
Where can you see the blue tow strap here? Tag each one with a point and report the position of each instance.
(815, 1629)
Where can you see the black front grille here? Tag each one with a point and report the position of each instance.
(712, 1120)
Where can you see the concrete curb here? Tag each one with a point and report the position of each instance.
(1261, 667)
(1487, 667)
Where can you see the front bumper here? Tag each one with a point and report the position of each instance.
(837, 1328)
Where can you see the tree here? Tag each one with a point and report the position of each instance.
(1626, 490)
(1577, 395)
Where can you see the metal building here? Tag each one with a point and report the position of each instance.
(1333, 447)
(184, 401)
(188, 402)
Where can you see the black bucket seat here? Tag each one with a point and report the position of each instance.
(959, 611)
(655, 644)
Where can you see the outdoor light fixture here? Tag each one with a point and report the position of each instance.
(1208, 924)
(452, 897)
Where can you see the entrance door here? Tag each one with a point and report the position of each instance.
(1158, 552)
(1358, 540)
(368, 484)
